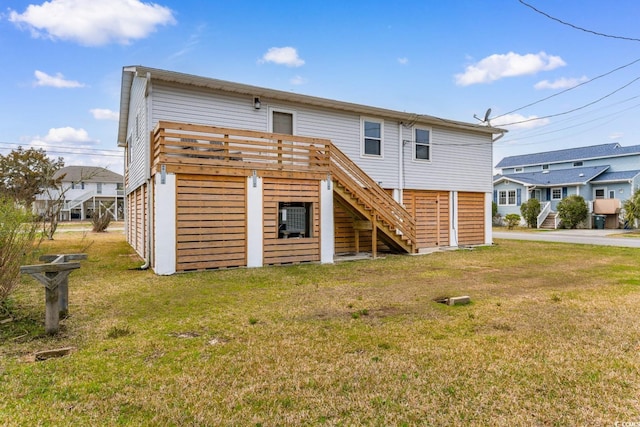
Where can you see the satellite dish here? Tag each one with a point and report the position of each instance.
(486, 115)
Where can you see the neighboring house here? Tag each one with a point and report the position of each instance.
(221, 174)
(85, 190)
(604, 175)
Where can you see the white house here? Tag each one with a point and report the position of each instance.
(221, 174)
(85, 190)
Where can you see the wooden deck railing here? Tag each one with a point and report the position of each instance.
(190, 148)
(183, 145)
(356, 181)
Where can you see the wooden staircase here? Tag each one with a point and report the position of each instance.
(549, 222)
(365, 199)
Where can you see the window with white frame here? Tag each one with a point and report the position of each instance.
(507, 197)
(545, 167)
(518, 170)
(283, 121)
(422, 143)
(556, 194)
(612, 194)
(599, 193)
(372, 137)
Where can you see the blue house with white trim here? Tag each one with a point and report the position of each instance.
(604, 175)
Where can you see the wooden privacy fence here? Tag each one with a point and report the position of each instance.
(182, 147)
(55, 277)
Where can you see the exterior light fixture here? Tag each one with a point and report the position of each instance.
(256, 103)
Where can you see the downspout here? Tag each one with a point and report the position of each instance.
(149, 209)
(400, 164)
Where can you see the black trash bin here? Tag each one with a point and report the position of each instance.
(598, 221)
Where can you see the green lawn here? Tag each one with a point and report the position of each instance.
(552, 337)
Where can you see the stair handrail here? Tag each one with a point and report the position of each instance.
(70, 204)
(544, 212)
(352, 177)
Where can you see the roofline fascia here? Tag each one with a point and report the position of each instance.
(566, 161)
(239, 88)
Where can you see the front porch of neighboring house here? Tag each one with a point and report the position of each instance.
(607, 208)
(244, 198)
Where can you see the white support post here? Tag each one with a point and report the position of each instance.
(165, 225)
(453, 219)
(488, 223)
(327, 241)
(255, 222)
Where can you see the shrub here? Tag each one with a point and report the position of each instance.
(572, 211)
(100, 222)
(632, 208)
(17, 238)
(512, 220)
(530, 211)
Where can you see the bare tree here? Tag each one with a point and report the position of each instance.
(54, 197)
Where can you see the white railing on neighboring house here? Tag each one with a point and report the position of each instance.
(556, 222)
(543, 214)
(70, 204)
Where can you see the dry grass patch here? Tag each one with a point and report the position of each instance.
(551, 338)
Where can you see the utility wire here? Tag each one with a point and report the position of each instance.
(575, 109)
(577, 27)
(60, 146)
(567, 90)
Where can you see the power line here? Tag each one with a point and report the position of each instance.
(567, 90)
(577, 27)
(60, 146)
(534, 132)
(575, 109)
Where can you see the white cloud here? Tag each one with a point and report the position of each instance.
(44, 79)
(284, 56)
(66, 135)
(561, 83)
(93, 22)
(104, 114)
(616, 135)
(403, 60)
(498, 66)
(298, 80)
(518, 121)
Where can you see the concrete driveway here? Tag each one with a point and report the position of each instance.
(583, 237)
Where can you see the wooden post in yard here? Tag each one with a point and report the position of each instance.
(55, 278)
(63, 287)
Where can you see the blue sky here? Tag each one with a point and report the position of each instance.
(62, 61)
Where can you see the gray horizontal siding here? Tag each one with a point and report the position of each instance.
(138, 163)
(461, 160)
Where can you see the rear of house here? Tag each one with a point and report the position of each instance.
(220, 174)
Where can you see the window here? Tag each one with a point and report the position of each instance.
(577, 164)
(612, 194)
(545, 167)
(556, 194)
(507, 197)
(518, 170)
(372, 137)
(422, 138)
(99, 187)
(282, 122)
(294, 219)
(599, 193)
